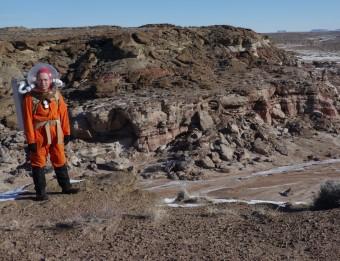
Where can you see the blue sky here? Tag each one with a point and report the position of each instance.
(259, 15)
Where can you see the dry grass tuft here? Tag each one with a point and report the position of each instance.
(328, 197)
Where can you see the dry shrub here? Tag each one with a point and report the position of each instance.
(328, 197)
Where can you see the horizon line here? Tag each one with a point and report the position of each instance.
(315, 30)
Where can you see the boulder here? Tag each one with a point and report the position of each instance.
(206, 163)
(234, 101)
(119, 164)
(226, 152)
(261, 147)
(205, 120)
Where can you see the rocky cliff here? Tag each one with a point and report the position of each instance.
(200, 97)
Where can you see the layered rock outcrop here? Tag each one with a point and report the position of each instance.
(161, 85)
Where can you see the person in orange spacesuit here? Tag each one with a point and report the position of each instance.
(47, 130)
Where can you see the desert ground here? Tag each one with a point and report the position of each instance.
(231, 175)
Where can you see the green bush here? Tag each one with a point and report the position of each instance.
(328, 197)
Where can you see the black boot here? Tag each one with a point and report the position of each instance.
(64, 180)
(39, 183)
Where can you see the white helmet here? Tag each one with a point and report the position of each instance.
(32, 77)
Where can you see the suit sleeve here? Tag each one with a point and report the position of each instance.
(64, 119)
(28, 119)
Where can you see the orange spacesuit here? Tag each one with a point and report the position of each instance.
(47, 129)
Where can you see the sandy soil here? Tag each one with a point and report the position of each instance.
(112, 220)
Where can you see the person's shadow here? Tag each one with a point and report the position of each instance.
(27, 195)
(14, 194)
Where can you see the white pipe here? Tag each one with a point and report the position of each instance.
(22, 87)
(58, 83)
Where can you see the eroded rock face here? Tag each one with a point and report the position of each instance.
(202, 93)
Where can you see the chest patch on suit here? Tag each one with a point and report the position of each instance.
(45, 103)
